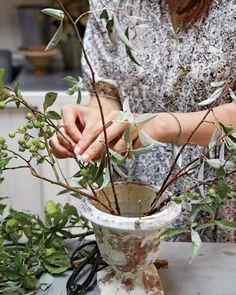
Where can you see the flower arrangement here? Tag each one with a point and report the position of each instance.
(203, 195)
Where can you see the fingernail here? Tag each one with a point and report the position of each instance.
(85, 158)
(77, 150)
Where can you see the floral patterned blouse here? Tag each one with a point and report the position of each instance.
(176, 71)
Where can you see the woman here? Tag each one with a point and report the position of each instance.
(188, 44)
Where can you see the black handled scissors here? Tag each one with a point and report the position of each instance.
(93, 258)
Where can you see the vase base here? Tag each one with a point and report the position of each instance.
(148, 282)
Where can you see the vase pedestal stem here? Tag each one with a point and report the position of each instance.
(147, 282)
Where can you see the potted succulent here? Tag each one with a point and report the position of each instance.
(129, 219)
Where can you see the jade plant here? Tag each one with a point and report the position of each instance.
(202, 195)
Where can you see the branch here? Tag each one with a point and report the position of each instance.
(98, 101)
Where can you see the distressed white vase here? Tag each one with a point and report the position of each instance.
(129, 244)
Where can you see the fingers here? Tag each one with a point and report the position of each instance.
(94, 130)
(95, 149)
(59, 150)
(70, 115)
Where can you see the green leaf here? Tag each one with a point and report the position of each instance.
(2, 71)
(224, 224)
(51, 208)
(215, 95)
(106, 180)
(57, 268)
(129, 51)
(5, 213)
(45, 281)
(117, 158)
(56, 37)
(146, 140)
(3, 163)
(53, 115)
(218, 84)
(70, 79)
(121, 34)
(232, 95)
(222, 188)
(220, 172)
(214, 138)
(173, 231)
(17, 88)
(79, 96)
(196, 209)
(49, 100)
(104, 15)
(197, 243)
(55, 13)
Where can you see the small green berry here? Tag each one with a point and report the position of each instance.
(36, 124)
(48, 135)
(21, 141)
(27, 145)
(11, 134)
(228, 128)
(84, 172)
(40, 159)
(42, 124)
(2, 140)
(21, 148)
(33, 149)
(29, 116)
(22, 129)
(42, 146)
(36, 141)
(4, 146)
(2, 105)
(211, 192)
(30, 125)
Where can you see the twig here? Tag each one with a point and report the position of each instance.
(98, 101)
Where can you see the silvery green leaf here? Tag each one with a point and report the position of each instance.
(224, 224)
(144, 118)
(5, 213)
(215, 95)
(129, 51)
(172, 231)
(146, 140)
(217, 84)
(55, 13)
(121, 34)
(175, 151)
(197, 243)
(70, 79)
(117, 158)
(128, 138)
(216, 163)
(120, 172)
(123, 116)
(125, 106)
(56, 37)
(200, 178)
(106, 180)
(45, 281)
(214, 138)
(232, 95)
(222, 153)
(143, 150)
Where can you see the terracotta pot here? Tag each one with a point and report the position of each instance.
(128, 243)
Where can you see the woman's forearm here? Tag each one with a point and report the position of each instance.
(167, 127)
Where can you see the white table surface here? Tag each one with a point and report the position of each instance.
(212, 273)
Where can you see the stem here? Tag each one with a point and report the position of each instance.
(98, 101)
(188, 140)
